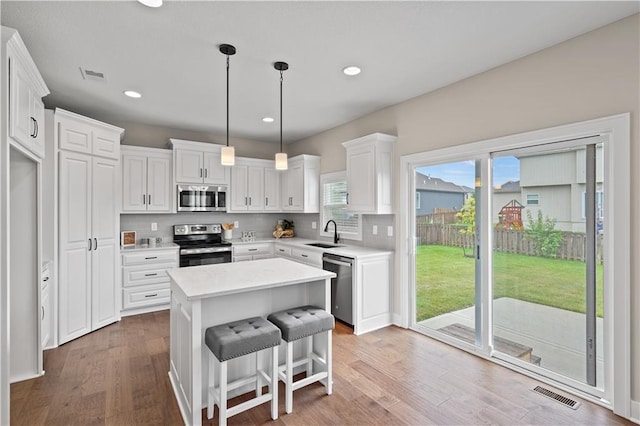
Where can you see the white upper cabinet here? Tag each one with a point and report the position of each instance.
(26, 90)
(88, 136)
(198, 163)
(271, 188)
(146, 180)
(249, 186)
(370, 174)
(301, 185)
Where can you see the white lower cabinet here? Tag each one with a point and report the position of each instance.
(310, 257)
(145, 283)
(246, 252)
(372, 292)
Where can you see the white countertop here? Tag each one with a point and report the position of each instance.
(199, 282)
(139, 247)
(343, 249)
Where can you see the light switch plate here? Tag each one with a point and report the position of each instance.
(374, 230)
(314, 225)
(389, 231)
(154, 226)
(236, 224)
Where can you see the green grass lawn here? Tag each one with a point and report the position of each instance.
(445, 281)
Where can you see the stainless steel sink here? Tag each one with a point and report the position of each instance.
(322, 245)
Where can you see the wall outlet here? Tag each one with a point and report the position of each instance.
(389, 231)
(314, 225)
(374, 230)
(236, 224)
(154, 226)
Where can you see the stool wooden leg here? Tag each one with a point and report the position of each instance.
(211, 386)
(258, 376)
(273, 386)
(222, 421)
(329, 361)
(309, 352)
(289, 377)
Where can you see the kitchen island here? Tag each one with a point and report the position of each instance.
(203, 296)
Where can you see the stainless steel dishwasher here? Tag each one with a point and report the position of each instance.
(341, 286)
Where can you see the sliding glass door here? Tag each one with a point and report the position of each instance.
(548, 227)
(447, 284)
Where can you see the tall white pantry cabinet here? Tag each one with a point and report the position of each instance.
(89, 223)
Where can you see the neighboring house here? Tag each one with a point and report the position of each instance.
(555, 184)
(434, 193)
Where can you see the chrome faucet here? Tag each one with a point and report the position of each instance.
(336, 237)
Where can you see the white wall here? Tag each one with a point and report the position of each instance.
(594, 75)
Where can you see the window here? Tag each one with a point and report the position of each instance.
(334, 207)
(599, 205)
(533, 199)
(417, 200)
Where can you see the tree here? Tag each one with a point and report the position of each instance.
(543, 234)
(467, 217)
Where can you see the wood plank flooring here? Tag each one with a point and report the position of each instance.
(118, 376)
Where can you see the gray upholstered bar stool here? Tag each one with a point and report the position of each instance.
(299, 323)
(232, 340)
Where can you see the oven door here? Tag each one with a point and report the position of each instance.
(204, 256)
(196, 198)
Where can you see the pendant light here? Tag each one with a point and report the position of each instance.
(281, 157)
(228, 153)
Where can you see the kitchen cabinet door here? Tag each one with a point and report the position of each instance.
(214, 172)
(159, 184)
(255, 188)
(75, 243)
(21, 127)
(239, 197)
(271, 189)
(105, 229)
(293, 188)
(134, 182)
(361, 180)
(189, 166)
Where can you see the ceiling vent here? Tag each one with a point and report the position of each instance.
(91, 75)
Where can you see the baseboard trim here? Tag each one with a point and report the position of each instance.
(635, 411)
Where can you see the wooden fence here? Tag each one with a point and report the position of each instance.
(510, 241)
(441, 217)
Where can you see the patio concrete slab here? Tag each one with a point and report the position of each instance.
(556, 335)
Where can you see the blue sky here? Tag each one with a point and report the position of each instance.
(463, 172)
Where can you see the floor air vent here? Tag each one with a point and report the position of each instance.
(561, 399)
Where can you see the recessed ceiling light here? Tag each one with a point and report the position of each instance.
(132, 94)
(267, 119)
(351, 70)
(151, 3)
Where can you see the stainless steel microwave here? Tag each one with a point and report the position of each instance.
(199, 198)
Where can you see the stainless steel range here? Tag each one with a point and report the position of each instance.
(201, 244)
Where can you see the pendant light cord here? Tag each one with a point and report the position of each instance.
(281, 80)
(227, 100)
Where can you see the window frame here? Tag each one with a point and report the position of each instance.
(537, 199)
(332, 178)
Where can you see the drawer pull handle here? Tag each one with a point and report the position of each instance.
(151, 295)
(151, 275)
(281, 250)
(46, 279)
(304, 255)
(151, 257)
(253, 249)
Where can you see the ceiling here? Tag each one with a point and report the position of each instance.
(171, 56)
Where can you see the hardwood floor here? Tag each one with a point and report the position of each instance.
(118, 376)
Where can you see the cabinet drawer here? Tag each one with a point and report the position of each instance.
(136, 297)
(262, 256)
(242, 258)
(311, 257)
(282, 251)
(136, 275)
(150, 257)
(251, 249)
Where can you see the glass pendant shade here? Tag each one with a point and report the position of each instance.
(228, 156)
(281, 161)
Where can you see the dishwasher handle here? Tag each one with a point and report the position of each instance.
(336, 262)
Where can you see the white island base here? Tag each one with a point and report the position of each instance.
(203, 296)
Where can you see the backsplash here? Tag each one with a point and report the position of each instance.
(303, 229)
(261, 224)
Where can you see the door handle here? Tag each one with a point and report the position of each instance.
(149, 203)
(201, 172)
(205, 172)
(37, 128)
(89, 244)
(347, 198)
(249, 200)
(33, 134)
(266, 201)
(95, 240)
